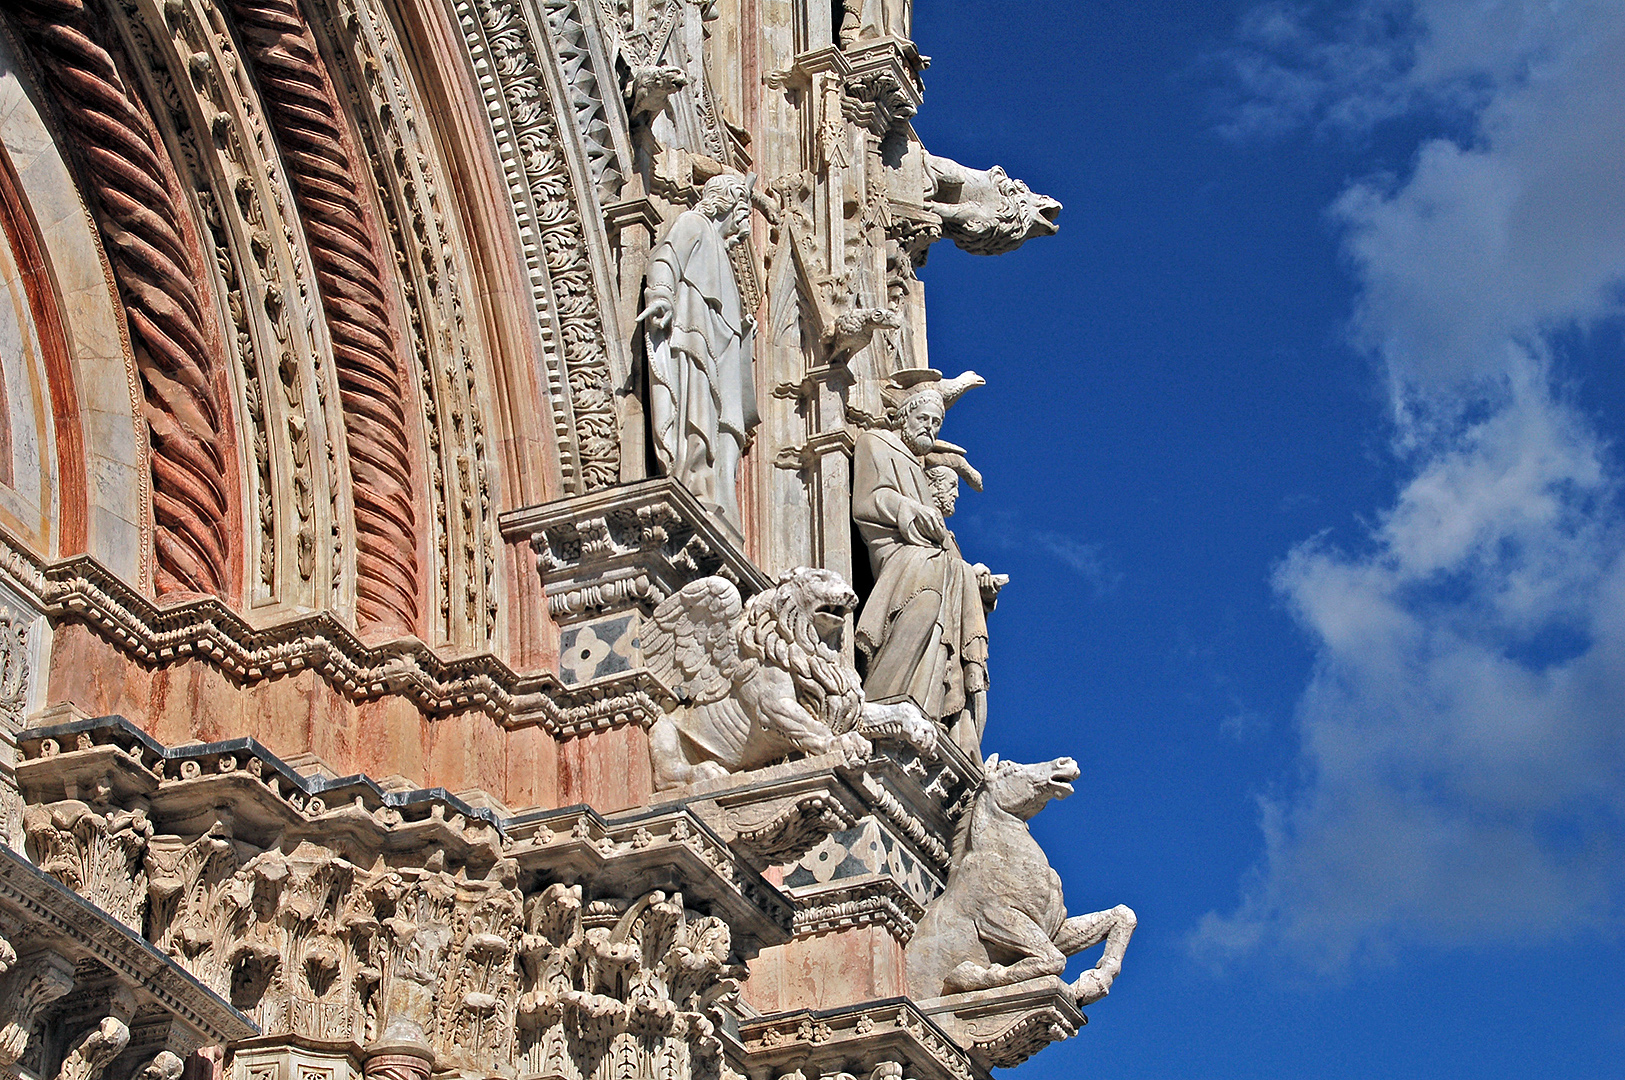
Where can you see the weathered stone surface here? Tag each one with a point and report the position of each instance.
(434, 639)
(1002, 918)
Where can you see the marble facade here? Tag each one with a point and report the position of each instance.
(380, 695)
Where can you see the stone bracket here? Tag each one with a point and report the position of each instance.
(871, 1039)
(670, 847)
(627, 548)
(1003, 1027)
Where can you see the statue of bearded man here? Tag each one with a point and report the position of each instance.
(702, 390)
(923, 630)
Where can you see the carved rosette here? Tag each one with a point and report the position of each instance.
(140, 223)
(304, 114)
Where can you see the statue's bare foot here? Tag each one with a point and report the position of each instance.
(1092, 985)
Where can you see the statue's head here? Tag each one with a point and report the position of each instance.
(919, 418)
(726, 199)
(944, 484)
(1023, 790)
(918, 398)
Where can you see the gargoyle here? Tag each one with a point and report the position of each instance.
(986, 211)
(759, 681)
(649, 87)
(1002, 917)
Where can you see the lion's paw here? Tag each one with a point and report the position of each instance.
(970, 975)
(854, 748)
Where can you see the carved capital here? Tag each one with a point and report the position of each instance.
(626, 549)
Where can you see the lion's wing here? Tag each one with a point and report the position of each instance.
(689, 641)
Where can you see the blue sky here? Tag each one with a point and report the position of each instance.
(1303, 449)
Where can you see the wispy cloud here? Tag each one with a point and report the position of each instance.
(1463, 734)
(1087, 560)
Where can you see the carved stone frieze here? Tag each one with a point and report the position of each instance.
(81, 590)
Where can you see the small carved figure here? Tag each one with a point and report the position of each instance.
(1002, 917)
(986, 211)
(923, 629)
(762, 680)
(702, 389)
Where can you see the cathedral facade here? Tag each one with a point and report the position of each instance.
(477, 593)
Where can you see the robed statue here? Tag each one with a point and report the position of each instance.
(922, 633)
(702, 393)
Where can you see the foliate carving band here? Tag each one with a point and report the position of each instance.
(141, 229)
(546, 206)
(372, 390)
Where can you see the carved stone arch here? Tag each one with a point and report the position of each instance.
(277, 348)
(587, 54)
(373, 69)
(184, 61)
(110, 145)
(324, 154)
(37, 355)
(555, 213)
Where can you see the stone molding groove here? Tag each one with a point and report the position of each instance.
(140, 224)
(304, 115)
(80, 589)
(508, 59)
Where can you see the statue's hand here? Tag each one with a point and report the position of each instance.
(921, 525)
(658, 313)
(989, 583)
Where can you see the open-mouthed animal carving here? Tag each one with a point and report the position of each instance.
(1002, 917)
(758, 682)
(140, 223)
(304, 114)
(986, 211)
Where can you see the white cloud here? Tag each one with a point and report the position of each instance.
(1463, 734)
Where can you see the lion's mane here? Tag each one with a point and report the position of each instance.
(778, 630)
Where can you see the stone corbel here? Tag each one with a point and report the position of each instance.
(96, 1049)
(1003, 1027)
(782, 812)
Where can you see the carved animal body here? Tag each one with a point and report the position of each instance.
(987, 211)
(1002, 917)
(757, 682)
